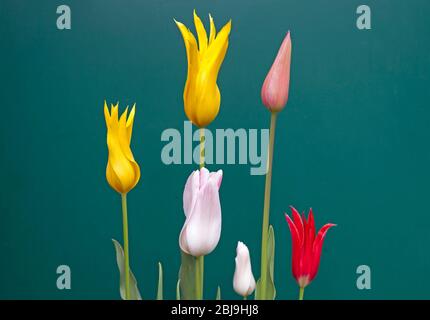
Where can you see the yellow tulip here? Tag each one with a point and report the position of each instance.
(201, 94)
(122, 171)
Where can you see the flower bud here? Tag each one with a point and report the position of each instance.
(274, 92)
(243, 280)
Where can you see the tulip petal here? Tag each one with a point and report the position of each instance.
(307, 249)
(311, 223)
(191, 189)
(296, 247)
(201, 33)
(317, 249)
(298, 223)
(107, 114)
(129, 124)
(192, 56)
(217, 177)
(212, 30)
(204, 176)
(216, 51)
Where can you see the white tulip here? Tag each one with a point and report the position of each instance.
(243, 280)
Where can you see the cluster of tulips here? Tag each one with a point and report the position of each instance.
(201, 202)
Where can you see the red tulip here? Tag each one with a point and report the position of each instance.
(306, 246)
(274, 92)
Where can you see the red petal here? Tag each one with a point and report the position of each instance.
(317, 248)
(298, 222)
(307, 250)
(311, 223)
(296, 251)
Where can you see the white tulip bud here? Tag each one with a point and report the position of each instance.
(243, 280)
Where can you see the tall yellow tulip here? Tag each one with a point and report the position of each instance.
(122, 171)
(201, 94)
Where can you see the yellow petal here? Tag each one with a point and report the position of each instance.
(190, 43)
(217, 46)
(123, 118)
(107, 114)
(201, 33)
(114, 113)
(130, 121)
(212, 30)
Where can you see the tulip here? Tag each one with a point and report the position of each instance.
(274, 92)
(307, 247)
(122, 171)
(202, 229)
(201, 94)
(243, 279)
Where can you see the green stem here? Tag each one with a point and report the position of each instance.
(245, 298)
(199, 277)
(301, 293)
(126, 254)
(200, 262)
(202, 147)
(266, 210)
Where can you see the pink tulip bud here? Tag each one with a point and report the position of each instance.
(274, 92)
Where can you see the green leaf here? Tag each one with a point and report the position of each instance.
(218, 294)
(134, 291)
(178, 290)
(270, 291)
(160, 282)
(187, 283)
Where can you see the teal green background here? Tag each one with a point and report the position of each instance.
(352, 143)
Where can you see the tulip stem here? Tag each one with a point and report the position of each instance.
(200, 262)
(126, 254)
(266, 210)
(199, 277)
(202, 147)
(301, 293)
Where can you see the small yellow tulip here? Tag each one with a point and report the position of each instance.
(122, 171)
(201, 94)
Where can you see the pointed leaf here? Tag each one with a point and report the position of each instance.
(160, 282)
(178, 290)
(218, 294)
(270, 291)
(134, 291)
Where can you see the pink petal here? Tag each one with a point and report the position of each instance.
(217, 177)
(204, 177)
(190, 190)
